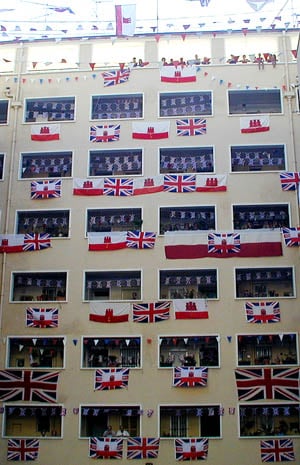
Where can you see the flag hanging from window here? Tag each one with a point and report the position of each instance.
(267, 383)
(41, 317)
(291, 236)
(105, 133)
(45, 132)
(277, 450)
(118, 187)
(115, 76)
(45, 189)
(109, 312)
(177, 74)
(87, 186)
(255, 123)
(105, 448)
(22, 449)
(262, 312)
(190, 309)
(152, 185)
(191, 449)
(28, 385)
(289, 181)
(10, 243)
(125, 20)
(142, 448)
(107, 241)
(107, 379)
(189, 376)
(152, 312)
(140, 240)
(151, 130)
(211, 183)
(180, 183)
(190, 127)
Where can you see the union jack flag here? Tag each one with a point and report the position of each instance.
(118, 187)
(34, 241)
(277, 450)
(46, 189)
(28, 385)
(105, 448)
(289, 181)
(111, 378)
(268, 383)
(189, 376)
(291, 236)
(140, 240)
(191, 449)
(224, 243)
(179, 183)
(262, 312)
(142, 448)
(41, 317)
(105, 133)
(22, 449)
(115, 76)
(151, 312)
(191, 127)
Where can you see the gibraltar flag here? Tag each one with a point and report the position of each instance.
(254, 123)
(45, 132)
(200, 244)
(178, 74)
(211, 183)
(11, 243)
(107, 241)
(88, 186)
(141, 130)
(125, 20)
(109, 312)
(190, 309)
(148, 185)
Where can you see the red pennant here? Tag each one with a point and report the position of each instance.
(92, 66)
(214, 34)
(284, 87)
(23, 80)
(266, 56)
(34, 63)
(157, 37)
(205, 74)
(294, 52)
(245, 31)
(63, 60)
(183, 36)
(121, 66)
(50, 80)
(229, 84)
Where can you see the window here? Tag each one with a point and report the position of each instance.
(38, 286)
(264, 282)
(35, 352)
(258, 158)
(267, 349)
(115, 162)
(3, 111)
(111, 352)
(32, 421)
(114, 219)
(269, 420)
(261, 216)
(117, 106)
(1, 166)
(95, 418)
(198, 350)
(112, 285)
(46, 164)
(185, 103)
(49, 109)
(186, 218)
(179, 284)
(186, 160)
(254, 101)
(190, 421)
(54, 222)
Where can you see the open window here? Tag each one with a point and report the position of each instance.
(121, 162)
(254, 101)
(35, 352)
(112, 285)
(180, 284)
(54, 222)
(38, 286)
(46, 164)
(124, 351)
(264, 282)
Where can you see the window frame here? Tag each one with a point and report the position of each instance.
(113, 97)
(260, 168)
(66, 100)
(187, 208)
(257, 92)
(265, 269)
(64, 276)
(52, 155)
(2, 160)
(43, 213)
(184, 272)
(255, 206)
(35, 346)
(185, 149)
(5, 102)
(121, 212)
(183, 94)
(118, 153)
(134, 289)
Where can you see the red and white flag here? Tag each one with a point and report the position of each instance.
(107, 379)
(211, 183)
(190, 309)
(200, 244)
(88, 186)
(105, 448)
(45, 132)
(178, 74)
(11, 243)
(109, 312)
(151, 130)
(148, 185)
(191, 449)
(41, 317)
(125, 19)
(254, 123)
(107, 241)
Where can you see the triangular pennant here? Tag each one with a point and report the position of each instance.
(92, 65)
